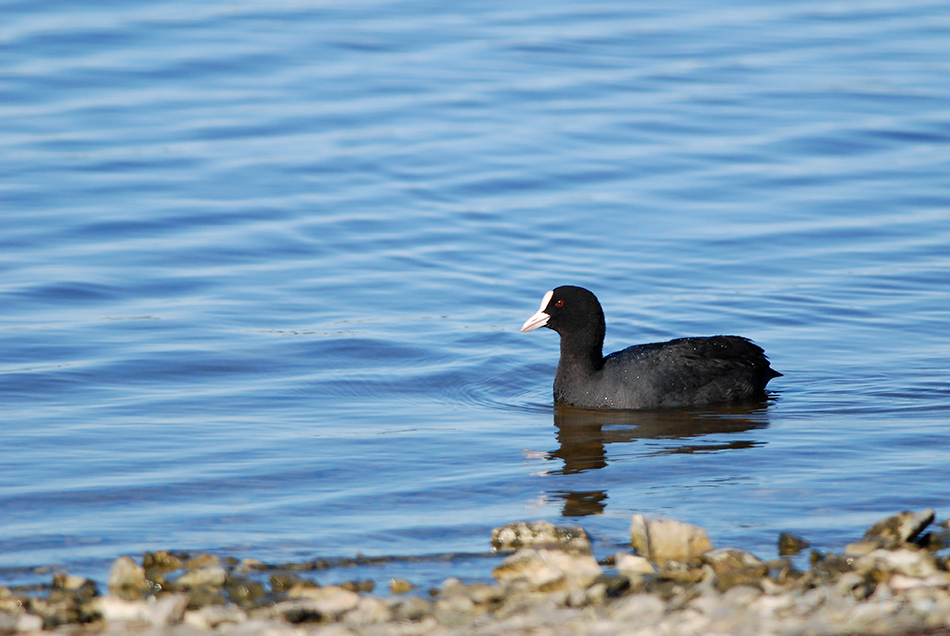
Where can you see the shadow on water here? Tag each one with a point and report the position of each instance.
(584, 434)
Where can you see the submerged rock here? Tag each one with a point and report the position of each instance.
(666, 540)
(790, 544)
(523, 534)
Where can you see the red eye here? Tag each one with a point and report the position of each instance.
(559, 303)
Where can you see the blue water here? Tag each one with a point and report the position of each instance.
(262, 270)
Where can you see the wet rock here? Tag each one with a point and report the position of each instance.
(162, 561)
(523, 534)
(245, 592)
(166, 609)
(127, 579)
(400, 586)
(667, 540)
(211, 616)
(367, 585)
(205, 576)
(202, 561)
(548, 570)
(735, 567)
(283, 581)
(902, 527)
(789, 544)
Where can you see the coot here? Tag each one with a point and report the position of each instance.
(679, 373)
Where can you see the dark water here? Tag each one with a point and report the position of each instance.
(262, 270)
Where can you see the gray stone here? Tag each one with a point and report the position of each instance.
(916, 563)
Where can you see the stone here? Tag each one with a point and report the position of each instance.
(210, 616)
(902, 527)
(661, 540)
(523, 534)
(400, 586)
(205, 576)
(167, 609)
(370, 611)
(329, 602)
(548, 570)
(632, 566)
(127, 578)
(789, 544)
(914, 563)
(735, 567)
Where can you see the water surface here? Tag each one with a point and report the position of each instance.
(262, 271)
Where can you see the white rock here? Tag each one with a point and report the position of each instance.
(661, 540)
(370, 611)
(915, 563)
(28, 623)
(548, 570)
(632, 565)
(331, 601)
(161, 611)
(210, 616)
(126, 574)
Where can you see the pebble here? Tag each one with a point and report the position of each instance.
(547, 589)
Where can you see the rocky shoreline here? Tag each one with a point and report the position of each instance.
(894, 580)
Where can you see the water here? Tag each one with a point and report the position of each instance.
(263, 270)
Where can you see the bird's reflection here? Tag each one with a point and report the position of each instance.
(583, 436)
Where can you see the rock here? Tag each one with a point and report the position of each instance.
(638, 609)
(166, 609)
(202, 561)
(902, 527)
(411, 608)
(539, 534)
(205, 576)
(127, 579)
(735, 567)
(789, 544)
(400, 586)
(632, 566)
(28, 623)
(162, 561)
(915, 563)
(328, 602)
(548, 570)
(667, 540)
(370, 611)
(211, 616)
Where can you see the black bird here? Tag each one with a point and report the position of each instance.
(679, 373)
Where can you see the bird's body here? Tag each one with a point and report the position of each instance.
(679, 373)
